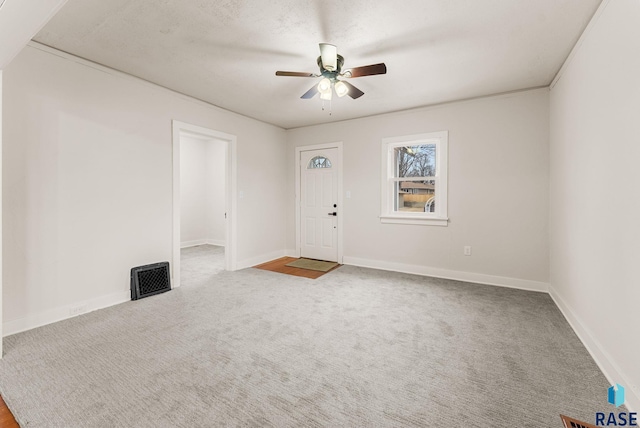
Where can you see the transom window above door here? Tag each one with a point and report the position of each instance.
(319, 162)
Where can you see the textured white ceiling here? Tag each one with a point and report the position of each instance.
(226, 52)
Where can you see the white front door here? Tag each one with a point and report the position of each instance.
(318, 204)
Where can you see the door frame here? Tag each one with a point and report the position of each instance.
(231, 203)
(1, 255)
(298, 150)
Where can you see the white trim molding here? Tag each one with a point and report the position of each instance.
(132, 78)
(478, 278)
(390, 177)
(64, 312)
(216, 242)
(399, 219)
(587, 31)
(1, 256)
(178, 129)
(192, 243)
(290, 252)
(258, 260)
(604, 361)
(196, 242)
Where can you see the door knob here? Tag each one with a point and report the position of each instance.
(333, 213)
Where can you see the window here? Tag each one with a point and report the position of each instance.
(414, 179)
(319, 162)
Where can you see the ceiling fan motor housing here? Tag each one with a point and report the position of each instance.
(331, 74)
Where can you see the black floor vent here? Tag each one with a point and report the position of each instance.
(149, 280)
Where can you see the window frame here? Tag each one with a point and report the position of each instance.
(325, 166)
(387, 213)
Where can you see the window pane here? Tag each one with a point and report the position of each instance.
(415, 161)
(319, 162)
(415, 196)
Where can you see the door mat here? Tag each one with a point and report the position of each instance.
(318, 265)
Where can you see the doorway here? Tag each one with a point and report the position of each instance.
(203, 192)
(318, 202)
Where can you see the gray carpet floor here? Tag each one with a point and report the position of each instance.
(356, 347)
(199, 264)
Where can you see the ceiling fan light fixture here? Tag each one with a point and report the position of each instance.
(327, 95)
(341, 89)
(324, 85)
(329, 55)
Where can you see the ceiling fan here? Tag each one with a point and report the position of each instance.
(330, 64)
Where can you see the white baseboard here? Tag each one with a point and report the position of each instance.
(602, 358)
(64, 312)
(479, 278)
(192, 243)
(291, 252)
(253, 261)
(196, 242)
(604, 361)
(218, 242)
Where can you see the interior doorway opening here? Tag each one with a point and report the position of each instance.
(203, 193)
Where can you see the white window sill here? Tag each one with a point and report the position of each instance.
(421, 221)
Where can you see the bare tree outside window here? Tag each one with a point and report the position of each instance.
(414, 179)
(414, 163)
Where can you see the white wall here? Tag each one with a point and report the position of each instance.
(498, 184)
(215, 179)
(193, 191)
(202, 194)
(595, 208)
(20, 21)
(87, 183)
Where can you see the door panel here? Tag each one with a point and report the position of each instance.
(328, 194)
(327, 233)
(311, 191)
(310, 234)
(319, 187)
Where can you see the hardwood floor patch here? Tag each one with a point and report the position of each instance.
(6, 417)
(280, 266)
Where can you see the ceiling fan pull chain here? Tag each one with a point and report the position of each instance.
(330, 106)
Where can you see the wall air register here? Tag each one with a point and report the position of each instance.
(149, 280)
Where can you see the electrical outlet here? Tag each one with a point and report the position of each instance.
(467, 250)
(77, 310)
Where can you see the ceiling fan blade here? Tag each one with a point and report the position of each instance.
(295, 74)
(353, 91)
(367, 70)
(329, 55)
(310, 93)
